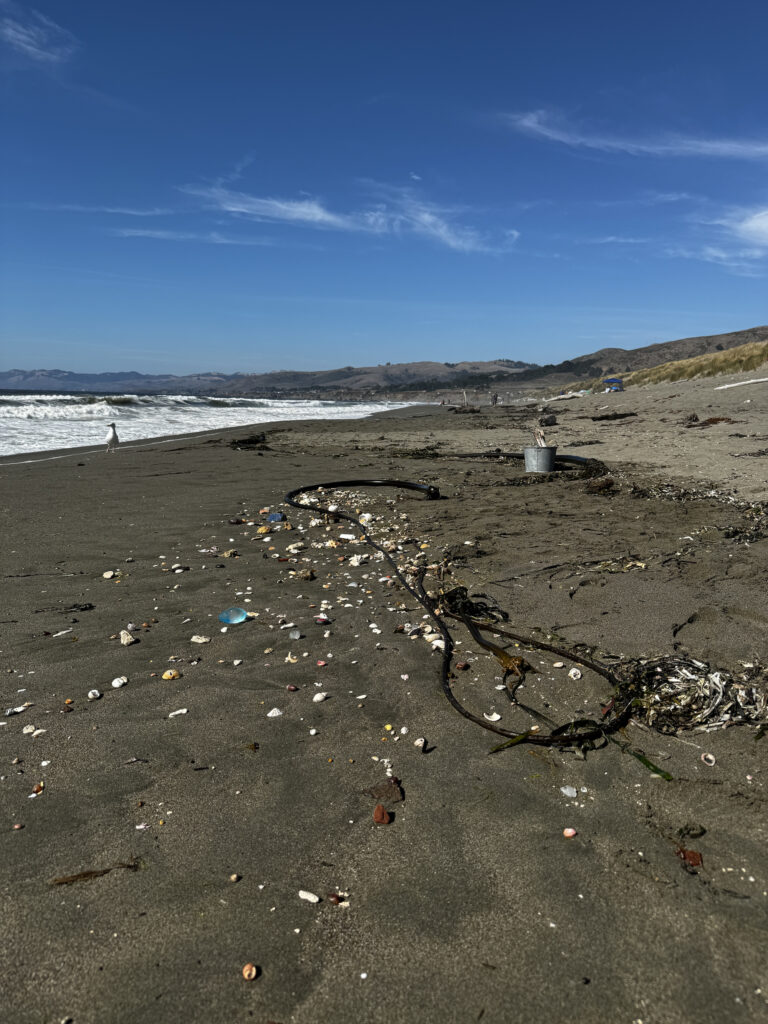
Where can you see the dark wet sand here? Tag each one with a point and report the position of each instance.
(470, 905)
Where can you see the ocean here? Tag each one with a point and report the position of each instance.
(41, 422)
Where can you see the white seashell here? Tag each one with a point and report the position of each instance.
(238, 661)
(431, 637)
(558, 664)
(574, 674)
(308, 896)
(569, 791)
(319, 697)
(108, 574)
(197, 639)
(40, 732)
(274, 713)
(420, 743)
(181, 711)
(313, 732)
(16, 711)
(347, 536)
(404, 730)
(126, 638)
(493, 717)
(438, 645)
(119, 681)
(93, 695)
(28, 730)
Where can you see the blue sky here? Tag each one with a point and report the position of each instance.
(251, 186)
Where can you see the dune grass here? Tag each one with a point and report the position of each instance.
(732, 360)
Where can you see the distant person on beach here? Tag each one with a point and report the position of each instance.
(112, 439)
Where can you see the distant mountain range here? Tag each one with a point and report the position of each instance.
(353, 382)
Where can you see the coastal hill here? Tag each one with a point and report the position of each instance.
(384, 379)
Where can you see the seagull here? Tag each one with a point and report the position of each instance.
(112, 438)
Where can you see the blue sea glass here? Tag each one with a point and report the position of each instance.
(233, 615)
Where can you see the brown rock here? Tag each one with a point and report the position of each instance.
(381, 815)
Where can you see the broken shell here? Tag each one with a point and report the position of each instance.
(119, 681)
(318, 697)
(274, 713)
(93, 695)
(126, 638)
(709, 760)
(181, 711)
(558, 664)
(569, 833)
(493, 717)
(250, 971)
(172, 673)
(574, 674)
(308, 896)
(197, 639)
(108, 574)
(420, 743)
(28, 730)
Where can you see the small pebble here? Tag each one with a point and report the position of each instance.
(310, 897)
(569, 833)
(93, 695)
(318, 697)
(119, 681)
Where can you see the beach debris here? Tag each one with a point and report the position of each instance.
(569, 833)
(290, 659)
(319, 697)
(119, 681)
(94, 695)
(709, 760)
(180, 711)
(574, 674)
(87, 876)
(310, 897)
(126, 638)
(19, 710)
(234, 615)
(420, 743)
(250, 972)
(672, 693)
(172, 673)
(381, 815)
(274, 713)
(334, 898)
(28, 730)
(389, 791)
(198, 639)
(235, 877)
(570, 791)
(691, 859)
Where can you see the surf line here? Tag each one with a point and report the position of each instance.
(123, 447)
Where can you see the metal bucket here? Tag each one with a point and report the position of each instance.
(539, 460)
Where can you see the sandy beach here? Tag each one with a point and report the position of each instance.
(195, 818)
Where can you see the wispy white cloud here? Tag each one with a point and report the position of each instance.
(541, 124)
(211, 237)
(397, 211)
(128, 211)
(32, 34)
(750, 226)
(745, 262)
(616, 240)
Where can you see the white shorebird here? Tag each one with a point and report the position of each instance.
(112, 438)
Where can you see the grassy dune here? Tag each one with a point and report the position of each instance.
(732, 360)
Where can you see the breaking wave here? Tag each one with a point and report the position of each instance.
(37, 422)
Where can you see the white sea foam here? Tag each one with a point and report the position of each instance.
(33, 423)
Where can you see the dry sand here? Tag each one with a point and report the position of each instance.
(470, 905)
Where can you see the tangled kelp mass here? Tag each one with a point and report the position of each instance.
(672, 693)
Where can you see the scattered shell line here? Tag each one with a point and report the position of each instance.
(635, 687)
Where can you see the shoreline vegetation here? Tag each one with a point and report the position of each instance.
(286, 820)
